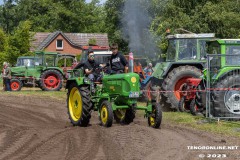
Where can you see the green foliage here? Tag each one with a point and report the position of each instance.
(19, 42)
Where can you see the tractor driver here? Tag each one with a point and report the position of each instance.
(90, 67)
(118, 62)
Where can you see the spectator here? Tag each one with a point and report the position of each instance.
(7, 76)
(148, 70)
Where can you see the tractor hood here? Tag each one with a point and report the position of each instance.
(18, 71)
(160, 69)
(126, 84)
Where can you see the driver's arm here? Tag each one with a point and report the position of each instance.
(88, 71)
(102, 65)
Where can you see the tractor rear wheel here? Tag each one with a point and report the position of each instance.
(174, 81)
(79, 105)
(51, 80)
(16, 84)
(119, 115)
(130, 114)
(155, 118)
(106, 114)
(227, 102)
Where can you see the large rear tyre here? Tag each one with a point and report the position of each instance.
(130, 114)
(174, 81)
(16, 84)
(155, 118)
(119, 115)
(227, 102)
(79, 105)
(106, 114)
(51, 80)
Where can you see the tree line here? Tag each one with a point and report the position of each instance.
(20, 19)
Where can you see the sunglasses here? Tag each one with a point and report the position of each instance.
(91, 56)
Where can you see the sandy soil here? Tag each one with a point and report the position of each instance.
(38, 128)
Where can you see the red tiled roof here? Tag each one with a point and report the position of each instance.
(41, 39)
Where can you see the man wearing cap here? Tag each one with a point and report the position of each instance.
(118, 62)
(90, 67)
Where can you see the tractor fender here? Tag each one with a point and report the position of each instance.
(171, 66)
(78, 80)
(229, 72)
(54, 68)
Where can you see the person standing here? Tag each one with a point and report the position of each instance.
(118, 62)
(7, 77)
(148, 70)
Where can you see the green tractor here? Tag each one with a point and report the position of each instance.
(41, 71)
(222, 77)
(185, 58)
(115, 98)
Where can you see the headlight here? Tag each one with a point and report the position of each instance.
(133, 80)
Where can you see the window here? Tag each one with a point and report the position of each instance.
(171, 52)
(232, 55)
(59, 44)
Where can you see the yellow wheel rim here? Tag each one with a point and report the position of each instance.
(104, 114)
(75, 104)
(152, 119)
(120, 113)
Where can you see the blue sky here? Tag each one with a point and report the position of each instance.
(101, 1)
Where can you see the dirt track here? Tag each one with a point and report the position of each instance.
(38, 128)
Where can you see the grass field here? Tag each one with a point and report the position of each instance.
(230, 128)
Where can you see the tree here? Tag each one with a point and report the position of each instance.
(19, 42)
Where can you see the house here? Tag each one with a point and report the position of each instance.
(71, 43)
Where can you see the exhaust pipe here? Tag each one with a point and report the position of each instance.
(131, 65)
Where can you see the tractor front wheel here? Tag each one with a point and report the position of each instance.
(106, 114)
(16, 84)
(79, 105)
(193, 107)
(155, 118)
(183, 105)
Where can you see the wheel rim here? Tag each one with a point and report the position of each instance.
(232, 101)
(120, 113)
(152, 118)
(15, 86)
(104, 114)
(51, 81)
(75, 104)
(178, 86)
